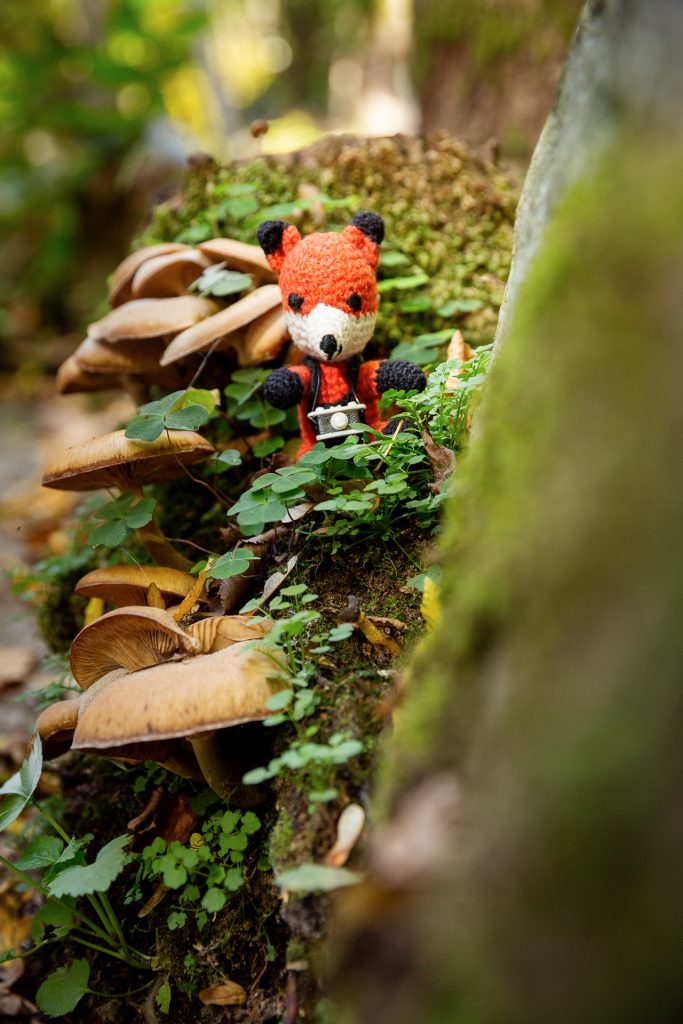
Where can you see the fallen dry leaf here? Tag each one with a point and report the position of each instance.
(227, 994)
(147, 811)
(155, 899)
(441, 459)
(458, 348)
(376, 637)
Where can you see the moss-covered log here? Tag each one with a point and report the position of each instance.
(549, 703)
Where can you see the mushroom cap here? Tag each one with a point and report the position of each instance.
(130, 639)
(220, 631)
(56, 725)
(71, 379)
(179, 698)
(168, 275)
(112, 460)
(264, 339)
(151, 318)
(250, 259)
(218, 328)
(121, 279)
(129, 357)
(125, 585)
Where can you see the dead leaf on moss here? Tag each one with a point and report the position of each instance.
(227, 994)
(376, 637)
(441, 459)
(155, 899)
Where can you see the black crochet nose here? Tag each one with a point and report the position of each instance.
(329, 345)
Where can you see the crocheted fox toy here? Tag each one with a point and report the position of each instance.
(329, 294)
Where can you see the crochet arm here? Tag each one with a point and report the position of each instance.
(399, 375)
(286, 387)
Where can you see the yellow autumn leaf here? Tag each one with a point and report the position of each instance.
(430, 608)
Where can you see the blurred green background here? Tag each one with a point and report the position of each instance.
(102, 102)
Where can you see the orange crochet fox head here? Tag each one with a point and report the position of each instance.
(328, 284)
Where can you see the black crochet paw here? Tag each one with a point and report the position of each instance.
(283, 389)
(399, 375)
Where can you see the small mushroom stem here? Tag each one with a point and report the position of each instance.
(222, 763)
(157, 546)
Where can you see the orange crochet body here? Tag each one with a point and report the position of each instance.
(334, 386)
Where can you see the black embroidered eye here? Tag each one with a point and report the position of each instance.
(355, 302)
(295, 301)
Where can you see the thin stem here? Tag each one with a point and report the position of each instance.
(117, 995)
(109, 911)
(125, 957)
(55, 824)
(24, 877)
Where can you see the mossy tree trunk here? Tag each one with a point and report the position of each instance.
(528, 869)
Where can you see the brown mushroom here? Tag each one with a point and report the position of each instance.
(250, 259)
(219, 331)
(121, 279)
(151, 318)
(56, 725)
(128, 638)
(124, 585)
(168, 275)
(71, 379)
(112, 460)
(200, 698)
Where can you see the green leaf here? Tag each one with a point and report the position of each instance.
(62, 990)
(213, 900)
(222, 282)
(403, 283)
(250, 823)
(145, 428)
(267, 446)
(459, 306)
(234, 879)
(280, 700)
(256, 776)
(116, 509)
(58, 915)
(316, 456)
(163, 996)
(341, 632)
(231, 564)
(394, 259)
(317, 878)
(224, 461)
(189, 418)
(174, 875)
(20, 787)
(140, 514)
(110, 535)
(82, 880)
(176, 919)
(40, 853)
(163, 405)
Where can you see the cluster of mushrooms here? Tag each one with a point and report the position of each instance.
(158, 329)
(163, 678)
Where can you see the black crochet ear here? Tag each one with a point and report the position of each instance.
(371, 224)
(269, 235)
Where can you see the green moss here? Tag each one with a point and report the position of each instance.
(445, 208)
(552, 685)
